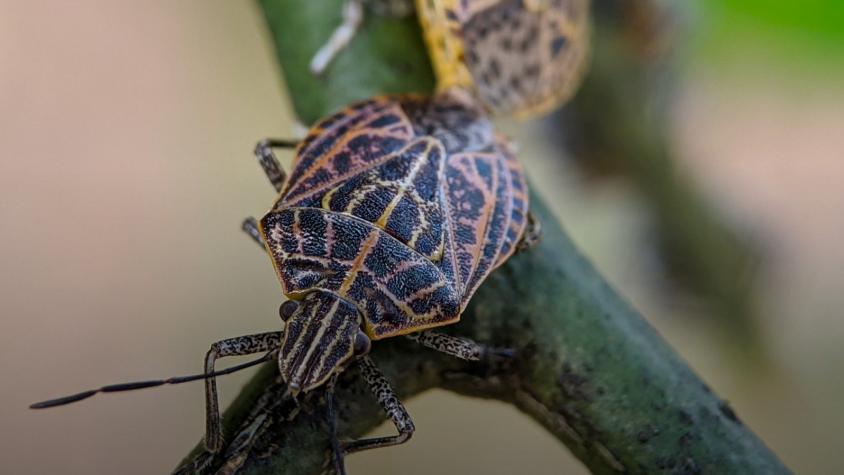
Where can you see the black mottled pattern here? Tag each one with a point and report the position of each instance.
(400, 289)
(455, 121)
(327, 132)
(518, 194)
(487, 210)
(343, 145)
(388, 400)
(400, 196)
(524, 57)
(497, 179)
(456, 346)
(505, 61)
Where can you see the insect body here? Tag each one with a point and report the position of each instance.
(395, 211)
(521, 57)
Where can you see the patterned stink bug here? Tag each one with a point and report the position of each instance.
(519, 57)
(395, 210)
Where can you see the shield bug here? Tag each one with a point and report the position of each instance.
(394, 212)
(519, 57)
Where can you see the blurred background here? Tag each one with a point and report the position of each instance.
(700, 170)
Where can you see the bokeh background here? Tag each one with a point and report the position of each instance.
(126, 131)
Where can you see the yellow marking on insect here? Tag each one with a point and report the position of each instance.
(446, 52)
(326, 199)
(315, 342)
(402, 189)
(369, 328)
(439, 252)
(340, 178)
(444, 23)
(358, 262)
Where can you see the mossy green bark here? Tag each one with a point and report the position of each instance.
(588, 367)
(299, 29)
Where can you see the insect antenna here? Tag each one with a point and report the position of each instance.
(113, 388)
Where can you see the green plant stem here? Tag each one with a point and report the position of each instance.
(588, 367)
(619, 123)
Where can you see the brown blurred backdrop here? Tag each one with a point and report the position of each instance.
(126, 131)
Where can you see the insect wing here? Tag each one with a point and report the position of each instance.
(401, 290)
(502, 56)
(483, 187)
(400, 196)
(523, 57)
(564, 47)
(343, 145)
(517, 194)
(406, 231)
(487, 207)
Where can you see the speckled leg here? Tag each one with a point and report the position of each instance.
(331, 414)
(269, 163)
(532, 236)
(462, 348)
(275, 173)
(250, 227)
(390, 403)
(242, 345)
(459, 347)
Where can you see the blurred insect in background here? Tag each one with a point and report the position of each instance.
(519, 57)
(395, 210)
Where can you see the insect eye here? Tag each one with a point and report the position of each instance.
(362, 344)
(287, 309)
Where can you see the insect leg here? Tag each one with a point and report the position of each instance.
(533, 234)
(456, 346)
(331, 414)
(250, 227)
(340, 38)
(390, 403)
(242, 345)
(269, 163)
